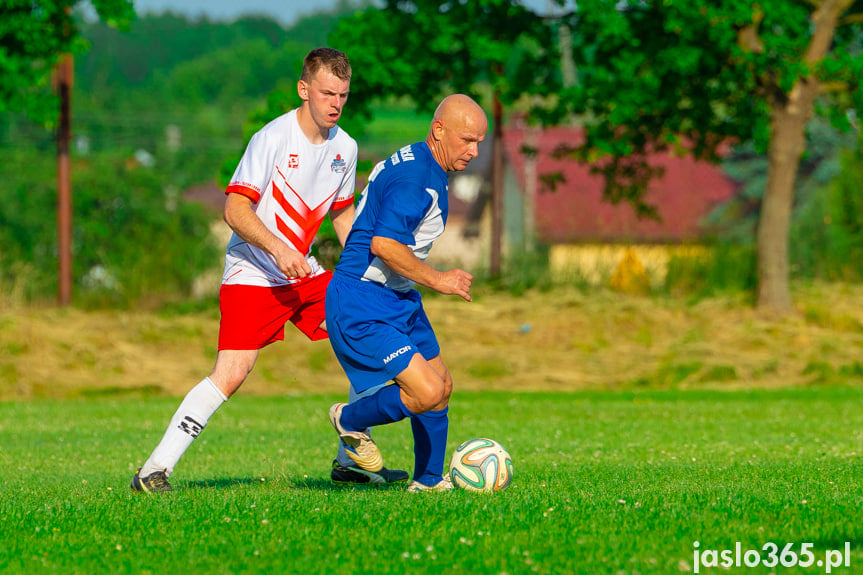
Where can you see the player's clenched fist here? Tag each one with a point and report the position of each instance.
(292, 263)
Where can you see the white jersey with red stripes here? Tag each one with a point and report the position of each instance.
(293, 184)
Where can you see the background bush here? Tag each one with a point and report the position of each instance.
(827, 237)
(132, 236)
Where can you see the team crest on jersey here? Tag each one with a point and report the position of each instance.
(339, 165)
(294, 161)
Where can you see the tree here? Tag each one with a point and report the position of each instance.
(36, 38)
(33, 37)
(426, 48)
(696, 75)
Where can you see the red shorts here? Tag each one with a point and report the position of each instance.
(254, 316)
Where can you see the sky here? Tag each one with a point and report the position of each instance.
(284, 11)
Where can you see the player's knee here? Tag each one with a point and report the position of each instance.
(447, 387)
(445, 399)
(229, 381)
(441, 399)
(442, 395)
(430, 397)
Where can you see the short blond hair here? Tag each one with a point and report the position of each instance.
(326, 58)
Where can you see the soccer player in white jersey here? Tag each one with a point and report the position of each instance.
(388, 337)
(295, 170)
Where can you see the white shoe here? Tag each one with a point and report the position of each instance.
(358, 445)
(444, 484)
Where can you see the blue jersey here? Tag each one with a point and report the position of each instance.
(405, 200)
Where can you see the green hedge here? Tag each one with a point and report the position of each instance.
(133, 237)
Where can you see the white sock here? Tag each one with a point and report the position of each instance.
(188, 422)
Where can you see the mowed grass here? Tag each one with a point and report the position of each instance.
(605, 482)
(564, 339)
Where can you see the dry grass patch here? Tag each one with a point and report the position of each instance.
(563, 339)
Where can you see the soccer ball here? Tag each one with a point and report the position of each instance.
(481, 465)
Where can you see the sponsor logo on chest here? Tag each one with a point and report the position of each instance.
(294, 161)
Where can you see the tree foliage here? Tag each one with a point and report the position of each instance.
(748, 167)
(829, 229)
(33, 34)
(154, 45)
(695, 76)
(423, 48)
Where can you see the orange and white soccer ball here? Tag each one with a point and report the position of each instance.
(481, 465)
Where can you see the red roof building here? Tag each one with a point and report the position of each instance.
(575, 211)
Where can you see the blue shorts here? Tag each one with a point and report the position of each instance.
(375, 331)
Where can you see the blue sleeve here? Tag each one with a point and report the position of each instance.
(402, 209)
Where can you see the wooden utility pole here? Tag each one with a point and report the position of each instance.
(64, 183)
(496, 186)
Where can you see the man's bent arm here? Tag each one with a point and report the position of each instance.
(399, 258)
(243, 220)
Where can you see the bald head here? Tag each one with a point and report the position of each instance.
(459, 125)
(459, 107)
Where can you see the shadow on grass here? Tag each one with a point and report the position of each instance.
(222, 483)
(310, 483)
(318, 484)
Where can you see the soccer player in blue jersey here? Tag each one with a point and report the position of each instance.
(377, 325)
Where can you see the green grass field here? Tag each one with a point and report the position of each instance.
(612, 482)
